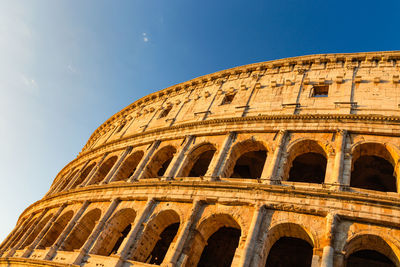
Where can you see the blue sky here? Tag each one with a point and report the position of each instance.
(67, 66)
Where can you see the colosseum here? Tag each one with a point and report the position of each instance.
(291, 162)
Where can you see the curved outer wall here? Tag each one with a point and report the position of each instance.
(221, 151)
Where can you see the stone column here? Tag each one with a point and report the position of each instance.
(336, 174)
(27, 233)
(35, 242)
(269, 174)
(347, 162)
(138, 174)
(53, 249)
(252, 234)
(178, 159)
(115, 168)
(60, 182)
(172, 258)
(96, 232)
(93, 172)
(76, 176)
(216, 164)
(127, 244)
(332, 222)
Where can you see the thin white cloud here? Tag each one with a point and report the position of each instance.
(145, 37)
(71, 68)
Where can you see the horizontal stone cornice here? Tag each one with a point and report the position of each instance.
(279, 197)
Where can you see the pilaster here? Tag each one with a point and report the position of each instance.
(93, 172)
(269, 174)
(252, 234)
(172, 258)
(111, 174)
(128, 242)
(332, 221)
(96, 232)
(138, 174)
(178, 159)
(216, 164)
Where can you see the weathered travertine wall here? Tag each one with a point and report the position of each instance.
(303, 148)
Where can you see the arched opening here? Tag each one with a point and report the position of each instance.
(308, 168)
(290, 251)
(246, 160)
(38, 227)
(372, 168)
(118, 228)
(159, 234)
(54, 232)
(215, 242)
(198, 160)
(67, 180)
(103, 170)
(160, 162)
(250, 165)
(369, 250)
(83, 175)
(306, 163)
(368, 258)
(26, 226)
(288, 239)
(128, 167)
(81, 231)
(221, 247)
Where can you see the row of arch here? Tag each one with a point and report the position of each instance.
(372, 167)
(214, 241)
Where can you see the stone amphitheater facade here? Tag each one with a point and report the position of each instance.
(291, 161)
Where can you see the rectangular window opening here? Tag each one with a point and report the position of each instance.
(165, 112)
(228, 99)
(320, 91)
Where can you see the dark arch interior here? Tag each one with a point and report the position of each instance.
(375, 173)
(162, 245)
(221, 247)
(200, 167)
(250, 165)
(123, 235)
(368, 258)
(290, 252)
(308, 168)
(164, 167)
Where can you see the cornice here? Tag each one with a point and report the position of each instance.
(256, 190)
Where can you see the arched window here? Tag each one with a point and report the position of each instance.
(83, 175)
(25, 227)
(37, 228)
(369, 250)
(288, 244)
(103, 170)
(157, 237)
(128, 167)
(372, 168)
(215, 242)
(117, 230)
(221, 247)
(54, 232)
(306, 163)
(160, 162)
(290, 251)
(246, 160)
(67, 180)
(81, 231)
(198, 160)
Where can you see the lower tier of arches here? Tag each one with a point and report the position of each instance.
(177, 223)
